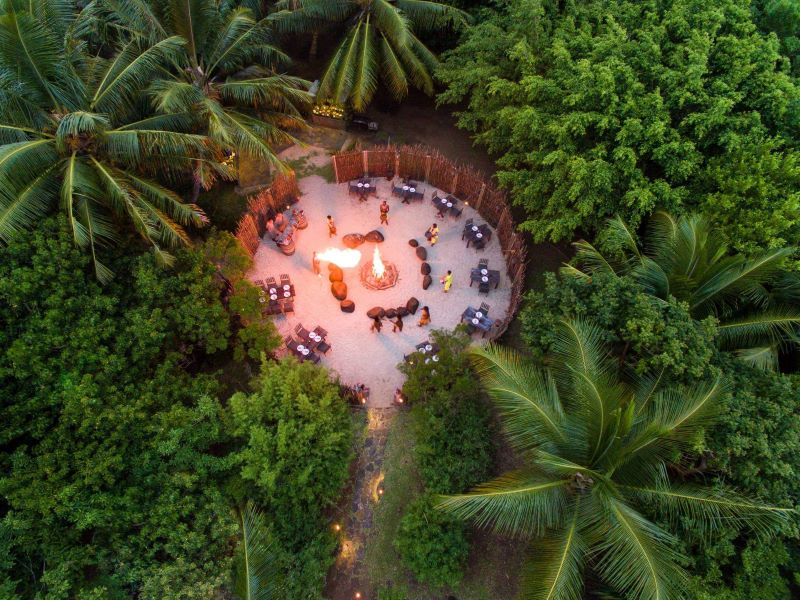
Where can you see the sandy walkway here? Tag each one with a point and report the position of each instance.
(357, 355)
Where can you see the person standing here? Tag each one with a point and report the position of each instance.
(376, 325)
(384, 213)
(331, 227)
(424, 317)
(315, 265)
(447, 280)
(397, 325)
(433, 234)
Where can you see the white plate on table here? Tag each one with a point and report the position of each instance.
(286, 294)
(474, 228)
(405, 188)
(479, 235)
(475, 321)
(479, 314)
(305, 351)
(428, 347)
(484, 272)
(484, 279)
(273, 296)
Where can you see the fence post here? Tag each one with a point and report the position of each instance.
(396, 163)
(336, 168)
(480, 196)
(455, 183)
(365, 162)
(427, 167)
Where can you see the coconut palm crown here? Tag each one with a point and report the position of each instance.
(226, 79)
(75, 134)
(380, 44)
(596, 453)
(756, 301)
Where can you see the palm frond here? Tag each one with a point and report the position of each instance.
(427, 16)
(772, 326)
(29, 203)
(390, 22)
(555, 568)
(394, 74)
(516, 504)
(764, 358)
(637, 558)
(256, 576)
(527, 398)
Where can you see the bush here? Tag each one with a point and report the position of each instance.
(297, 439)
(432, 544)
(647, 334)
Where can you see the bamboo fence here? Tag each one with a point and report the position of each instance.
(264, 205)
(417, 162)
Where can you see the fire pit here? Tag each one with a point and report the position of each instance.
(378, 275)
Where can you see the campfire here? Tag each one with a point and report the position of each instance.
(377, 274)
(378, 268)
(345, 259)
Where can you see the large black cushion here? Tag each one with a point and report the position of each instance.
(426, 282)
(413, 243)
(391, 313)
(374, 236)
(412, 305)
(339, 290)
(422, 254)
(347, 306)
(425, 269)
(401, 311)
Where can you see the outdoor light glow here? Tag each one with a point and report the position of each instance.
(337, 527)
(345, 259)
(377, 264)
(358, 595)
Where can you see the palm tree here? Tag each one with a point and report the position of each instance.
(380, 43)
(226, 80)
(74, 133)
(755, 300)
(255, 574)
(597, 452)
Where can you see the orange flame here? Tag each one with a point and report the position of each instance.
(377, 264)
(347, 258)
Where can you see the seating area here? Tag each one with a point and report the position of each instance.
(359, 353)
(308, 345)
(477, 319)
(277, 297)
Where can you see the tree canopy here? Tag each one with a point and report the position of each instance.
(606, 108)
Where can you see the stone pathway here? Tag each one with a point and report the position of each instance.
(346, 577)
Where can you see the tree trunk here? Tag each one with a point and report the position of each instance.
(312, 51)
(196, 184)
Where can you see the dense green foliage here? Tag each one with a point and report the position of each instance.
(120, 466)
(649, 335)
(432, 543)
(753, 446)
(619, 107)
(597, 449)
(453, 451)
(781, 17)
(755, 299)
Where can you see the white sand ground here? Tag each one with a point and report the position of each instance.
(358, 355)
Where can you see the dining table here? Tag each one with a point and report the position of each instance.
(430, 351)
(363, 188)
(477, 235)
(476, 319)
(301, 351)
(447, 204)
(312, 339)
(409, 190)
(482, 275)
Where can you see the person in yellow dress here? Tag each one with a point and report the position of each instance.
(447, 280)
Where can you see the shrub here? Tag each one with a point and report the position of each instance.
(432, 544)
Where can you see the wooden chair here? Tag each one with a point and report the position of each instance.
(301, 331)
(320, 331)
(287, 307)
(483, 287)
(484, 308)
(285, 279)
(270, 281)
(483, 263)
(323, 348)
(289, 341)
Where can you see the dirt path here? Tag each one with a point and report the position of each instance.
(347, 577)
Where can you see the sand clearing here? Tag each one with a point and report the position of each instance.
(358, 355)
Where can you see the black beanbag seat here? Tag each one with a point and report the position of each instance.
(401, 311)
(422, 253)
(376, 312)
(391, 313)
(425, 269)
(347, 306)
(413, 243)
(412, 305)
(426, 282)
